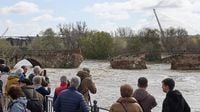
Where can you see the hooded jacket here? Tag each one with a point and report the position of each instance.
(129, 103)
(174, 102)
(87, 85)
(17, 105)
(146, 101)
(12, 80)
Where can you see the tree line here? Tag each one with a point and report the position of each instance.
(102, 45)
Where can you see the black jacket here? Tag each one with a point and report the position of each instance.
(174, 102)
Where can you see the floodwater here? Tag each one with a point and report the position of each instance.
(108, 82)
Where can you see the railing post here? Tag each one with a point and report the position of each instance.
(95, 107)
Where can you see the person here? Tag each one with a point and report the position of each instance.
(29, 90)
(70, 100)
(25, 69)
(36, 71)
(146, 100)
(19, 72)
(13, 79)
(87, 85)
(64, 84)
(126, 103)
(45, 78)
(174, 101)
(4, 68)
(18, 102)
(35, 99)
(37, 80)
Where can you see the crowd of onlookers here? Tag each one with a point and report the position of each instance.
(22, 92)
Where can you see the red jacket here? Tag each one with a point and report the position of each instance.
(58, 90)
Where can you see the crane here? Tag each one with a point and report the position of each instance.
(161, 30)
(4, 32)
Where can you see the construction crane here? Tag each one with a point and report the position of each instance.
(161, 30)
(4, 32)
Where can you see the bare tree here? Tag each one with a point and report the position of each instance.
(72, 33)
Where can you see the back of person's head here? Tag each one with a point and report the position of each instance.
(15, 92)
(86, 69)
(37, 70)
(142, 82)
(6, 69)
(24, 67)
(37, 80)
(75, 82)
(126, 90)
(63, 79)
(19, 71)
(169, 82)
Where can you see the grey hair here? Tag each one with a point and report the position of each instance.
(37, 70)
(75, 82)
(19, 71)
(37, 80)
(63, 79)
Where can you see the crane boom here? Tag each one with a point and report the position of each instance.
(161, 30)
(4, 32)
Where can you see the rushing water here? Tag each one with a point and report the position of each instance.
(108, 82)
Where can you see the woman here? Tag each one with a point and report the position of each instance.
(18, 102)
(126, 103)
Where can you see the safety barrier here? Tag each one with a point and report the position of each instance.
(93, 108)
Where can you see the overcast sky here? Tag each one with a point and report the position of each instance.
(29, 17)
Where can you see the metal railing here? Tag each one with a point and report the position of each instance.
(93, 108)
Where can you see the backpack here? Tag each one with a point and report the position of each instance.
(33, 103)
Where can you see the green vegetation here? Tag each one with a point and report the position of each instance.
(96, 45)
(48, 41)
(102, 45)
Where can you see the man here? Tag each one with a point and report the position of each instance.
(35, 99)
(25, 68)
(87, 85)
(71, 100)
(64, 84)
(174, 101)
(126, 103)
(146, 100)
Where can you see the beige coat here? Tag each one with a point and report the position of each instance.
(129, 103)
(87, 85)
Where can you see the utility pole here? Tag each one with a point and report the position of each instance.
(162, 33)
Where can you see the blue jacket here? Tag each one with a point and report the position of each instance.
(18, 105)
(70, 100)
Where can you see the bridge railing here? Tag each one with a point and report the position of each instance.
(93, 108)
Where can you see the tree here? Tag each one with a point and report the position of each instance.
(135, 45)
(5, 47)
(124, 32)
(96, 45)
(47, 41)
(72, 33)
(176, 39)
(151, 39)
(119, 46)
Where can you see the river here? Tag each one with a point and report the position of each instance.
(108, 82)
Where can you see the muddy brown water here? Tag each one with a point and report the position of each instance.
(108, 82)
